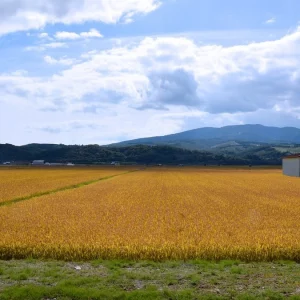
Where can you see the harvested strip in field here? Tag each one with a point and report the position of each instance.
(19, 183)
(161, 214)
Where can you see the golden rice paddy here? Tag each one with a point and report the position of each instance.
(161, 213)
(22, 182)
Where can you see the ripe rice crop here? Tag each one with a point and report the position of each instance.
(161, 214)
(15, 183)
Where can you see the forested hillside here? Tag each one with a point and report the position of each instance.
(140, 154)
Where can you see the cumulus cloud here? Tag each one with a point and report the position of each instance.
(178, 78)
(177, 87)
(20, 15)
(65, 35)
(264, 90)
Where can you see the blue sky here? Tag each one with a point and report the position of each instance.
(97, 72)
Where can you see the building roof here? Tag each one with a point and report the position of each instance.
(292, 156)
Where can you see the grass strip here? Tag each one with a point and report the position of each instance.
(126, 279)
(69, 187)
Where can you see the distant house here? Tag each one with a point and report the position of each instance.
(7, 163)
(70, 164)
(38, 163)
(291, 165)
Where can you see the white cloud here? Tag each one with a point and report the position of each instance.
(42, 47)
(43, 35)
(164, 72)
(93, 33)
(128, 18)
(65, 35)
(63, 61)
(48, 59)
(166, 84)
(22, 15)
(270, 21)
(55, 45)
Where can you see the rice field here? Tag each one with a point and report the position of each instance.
(159, 214)
(23, 182)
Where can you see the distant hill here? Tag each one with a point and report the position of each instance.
(237, 136)
(95, 154)
(241, 144)
(138, 154)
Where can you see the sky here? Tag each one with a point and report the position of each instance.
(102, 71)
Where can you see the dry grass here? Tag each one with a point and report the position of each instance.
(161, 214)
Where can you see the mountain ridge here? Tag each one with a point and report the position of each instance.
(229, 145)
(207, 137)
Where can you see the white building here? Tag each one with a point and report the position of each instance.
(291, 165)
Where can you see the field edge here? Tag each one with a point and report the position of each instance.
(127, 279)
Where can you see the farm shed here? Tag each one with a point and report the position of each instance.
(291, 165)
(38, 162)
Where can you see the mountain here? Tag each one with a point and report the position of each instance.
(230, 145)
(239, 136)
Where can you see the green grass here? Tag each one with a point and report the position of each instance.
(120, 279)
